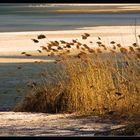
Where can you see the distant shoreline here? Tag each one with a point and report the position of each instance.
(98, 11)
(115, 8)
(83, 4)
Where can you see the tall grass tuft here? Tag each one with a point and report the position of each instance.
(90, 82)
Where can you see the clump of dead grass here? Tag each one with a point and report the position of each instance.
(89, 82)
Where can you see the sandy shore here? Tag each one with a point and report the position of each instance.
(13, 43)
(100, 11)
(41, 124)
(113, 7)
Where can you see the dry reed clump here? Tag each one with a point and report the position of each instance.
(89, 82)
(39, 100)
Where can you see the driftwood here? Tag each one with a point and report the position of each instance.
(128, 130)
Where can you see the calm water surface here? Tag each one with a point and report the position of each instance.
(30, 17)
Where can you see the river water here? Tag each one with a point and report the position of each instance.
(33, 17)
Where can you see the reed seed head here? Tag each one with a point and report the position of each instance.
(41, 36)
(123, 50)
